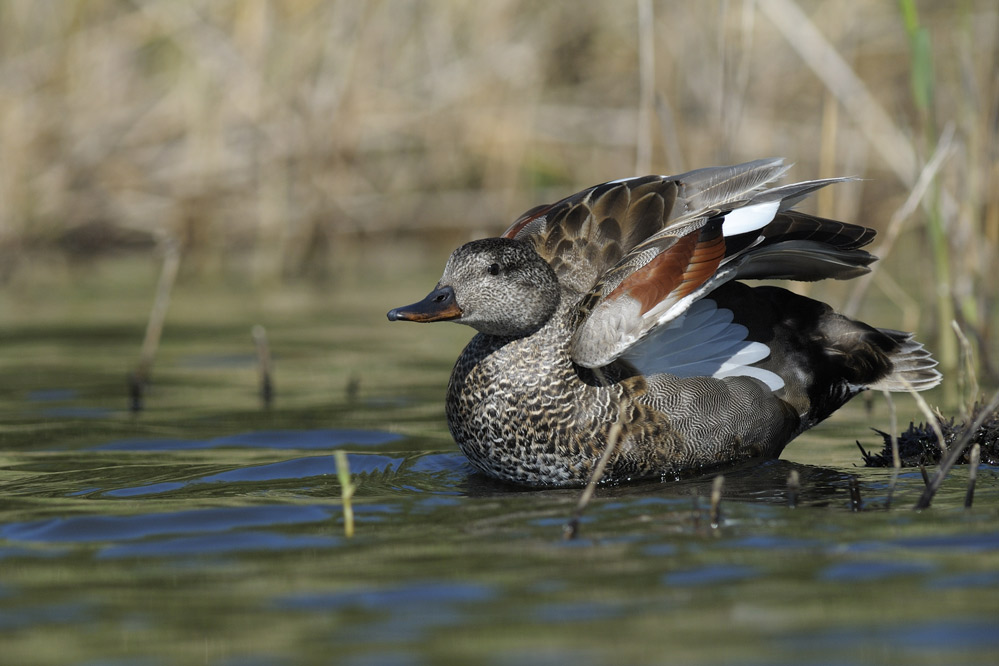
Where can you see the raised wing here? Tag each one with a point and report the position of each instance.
(638, 252)
(625, 224)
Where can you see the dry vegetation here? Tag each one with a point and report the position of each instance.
(273, 131)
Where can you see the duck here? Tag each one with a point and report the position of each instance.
(616, 324)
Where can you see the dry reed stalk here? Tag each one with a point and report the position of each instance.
(826, 62)
(571, 528)
(259, 334)
(927, 174)
(276, 128)
(894, 147)
(139, 378)
(967, 378)
(825, 198)
(932, 419)
(909, 306)
(793, 488)
(717, 487)
(896, 460)
(973, 459)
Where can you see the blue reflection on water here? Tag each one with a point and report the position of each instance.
(52, 395)
(296, 468)
(26, 616)
(266, 439)
(215, 544)
(971, 580)
(936, 636)
(403, 613)
(710, 575)
(119, 528)
(409, 596)
(869, 571)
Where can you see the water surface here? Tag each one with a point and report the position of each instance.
(210, 529)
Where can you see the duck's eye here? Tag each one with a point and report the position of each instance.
(494, 269)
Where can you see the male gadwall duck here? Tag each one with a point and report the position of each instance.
(618, 305)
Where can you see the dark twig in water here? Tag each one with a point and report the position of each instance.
(926, 477)
(139, 378)
(969, 496)
(716, 495)
(571, 529)
(956, 451)
(856, 504)
(793, 488)
(264, 361)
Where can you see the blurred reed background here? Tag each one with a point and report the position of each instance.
(269, 138)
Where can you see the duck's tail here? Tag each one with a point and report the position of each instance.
(913, 367)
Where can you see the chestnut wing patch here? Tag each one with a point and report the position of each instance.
(676, 272)
(619, 315)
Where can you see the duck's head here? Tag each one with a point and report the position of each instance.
(498, 286)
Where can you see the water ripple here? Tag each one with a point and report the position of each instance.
(262, 439)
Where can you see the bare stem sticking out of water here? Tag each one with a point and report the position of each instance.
(793, 488)
(955, 453)
(347, 488)
(931, 418)
(901, 214)
(716, 495)
(975, 458)
(896, 460)
(967, 378)
(139, 378)
(353, 388)
(259, 334)
(891, 487)
(856, 503)
(571, 529)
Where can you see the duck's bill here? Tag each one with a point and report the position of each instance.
(439, 305)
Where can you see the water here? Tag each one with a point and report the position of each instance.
(210, 530)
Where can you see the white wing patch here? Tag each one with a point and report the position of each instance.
(703, 342)
(750, 218)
